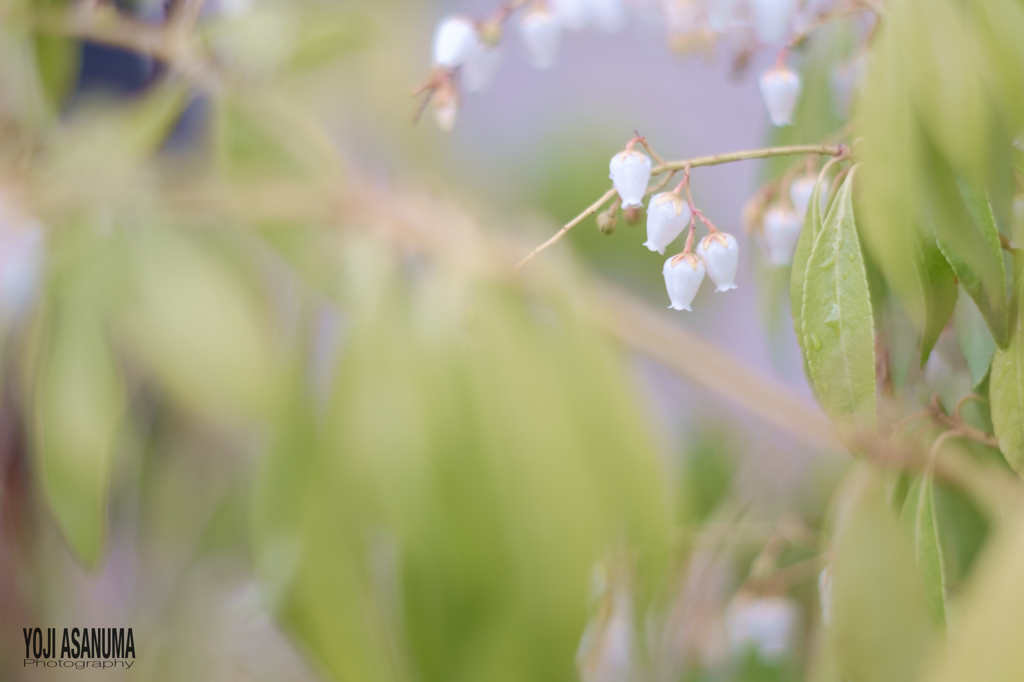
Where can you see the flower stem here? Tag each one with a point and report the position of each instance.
(685, 164)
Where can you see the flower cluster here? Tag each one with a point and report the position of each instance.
(781, 220)
(668, 214)
(468, 52)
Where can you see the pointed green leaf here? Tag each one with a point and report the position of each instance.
(798, 273)
(974, 338)
(838, 328)
(938, 284)
(880, 626)
(920, 523)
(1006, 393)
(966, 233)
(78, 403)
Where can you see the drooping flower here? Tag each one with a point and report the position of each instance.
(721, 256)
(773, 19)
(781, 232)
(608, 16)
(764, 624)
(541, 32)
(630, 170)
(780, 88)
(480, 66)
(572, 14)
(800, 193)
(455, 38)
(667, 216)
(683, 274)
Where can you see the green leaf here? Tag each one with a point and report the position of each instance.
(78, 404)
(798, 273)
(837, 321)
(920, 523)
(880, 627)
(938, 284)
(967, 235)
(985, 644)
(974, 338)
(1006, 392)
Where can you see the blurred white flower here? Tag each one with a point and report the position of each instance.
(773, 19)
(455, 39)
(606, 650)
(541, 33)
(683, 275)
(781, 232)
(667, 216)
(21, 259)
(780, 87)
(764, 624)
(608, 15)
(572, 14)
(721, 256)
(480, 67)
(800, 193)
(630, 171)
(446, 106)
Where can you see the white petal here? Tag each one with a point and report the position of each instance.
(773, 19)
(541, 33)
(721, 256)
(781, 232)
(683, 275)
(21, 260)
(664, 223)
(481, 65)
(608, 15)
(572, 14)
(781, 90)
(800, 193)
(764, 624)
(630, 171)
(454, 40)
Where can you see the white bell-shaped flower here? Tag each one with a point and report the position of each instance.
(608, 16)
(630, 170)
(481, 65)
(667, 216)
(455, 38)
(773, 19)
(683, 274)
(721, 256)
(781, 232)
(446, 106)
(800, 193)
(541, 32)
(765, 625)
(573, 15)
(21, 264)
(780, 88)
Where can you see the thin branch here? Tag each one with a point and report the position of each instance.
(716, 160)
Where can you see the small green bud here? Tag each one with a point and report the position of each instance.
(606, 222)
(490, 33)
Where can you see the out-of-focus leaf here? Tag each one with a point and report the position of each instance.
(78, 403)
(798, 273)
(964, 530)
(57, 60)
(938, 284)
(966, 232)
(326, 35)
(919, 522)
(985, 644)
(1006, 391)
(197, 328)
(837, 320)
(974, 338)
(948, 93)
(880, 625)
(998, 25)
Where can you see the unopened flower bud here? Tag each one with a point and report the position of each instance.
(667, 216)
(606, 222)
(780, 87)
(454, 39)
(781, 232)
(446, 106)
(800, 193)
(481, 65)
(721, 256)
(541, 33)
(773, 19)
(683, 275)
(632, 215)
(630, 170)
